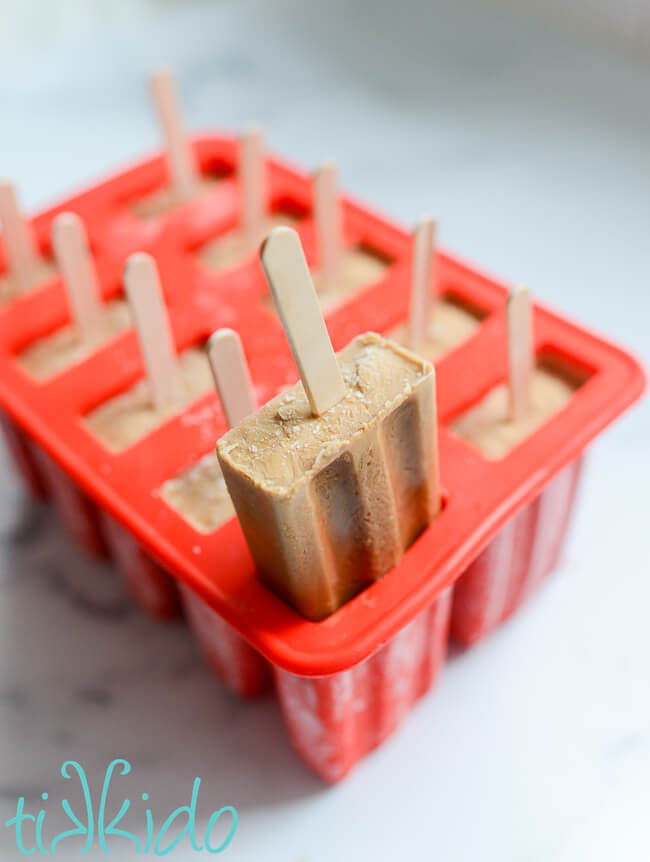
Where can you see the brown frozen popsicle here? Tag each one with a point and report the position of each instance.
(334, 478)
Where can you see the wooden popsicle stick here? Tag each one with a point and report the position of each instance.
(79, 275)
(180, 158)
(231, 375)
(253, 187)
(151, 321)
(422, 267)
(295, 299)
(22, 252)
(327, 212)
(436, 485)
(520, 350)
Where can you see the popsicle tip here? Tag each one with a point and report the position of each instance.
(219, 335)
(64, 217)
(64, 227)
(231, 375)
(160, 73)
(519, 290)
(64, 220)
(327, 166)
(252, 130)
(136, 264)
(427, 219)
(277, 235)
(137, 258)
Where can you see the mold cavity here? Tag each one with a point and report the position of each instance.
(131, 415)
(229, 249)
(43, 271)
(162, 200)
(58, 350)
(452, 322)
(361, 266)
(199, 495)
(290, 208)
(487, 424)
(217, 169)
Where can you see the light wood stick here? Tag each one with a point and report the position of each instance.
(422, 268)
(293, 292)
(231, 375)
(520, 350)
(180, 159)
(151, 322)
(22, 252)
(253, 187)
(437, 488)
(79, 275)
(327, 212)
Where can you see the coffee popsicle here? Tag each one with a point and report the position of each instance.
(334, 478)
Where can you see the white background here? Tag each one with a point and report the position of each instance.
(533, 148)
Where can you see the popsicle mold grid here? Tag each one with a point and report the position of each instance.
(502, 524)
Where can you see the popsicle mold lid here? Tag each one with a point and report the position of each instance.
(479, 495)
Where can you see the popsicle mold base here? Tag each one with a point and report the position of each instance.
(146, 582)
(78, 513)
(239, 667)
(19, 447)
(336, 720)
(515, 562)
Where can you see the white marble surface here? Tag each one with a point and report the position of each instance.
(534, 150)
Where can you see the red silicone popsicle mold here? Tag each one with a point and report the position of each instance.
(343, 683)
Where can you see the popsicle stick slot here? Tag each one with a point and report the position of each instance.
(231, 375)
(253, 187)
(19, 242)
(295, 298)
(151, 321)
(328, 225)
(520, 350)
(182, 166)
(422, 269)
(79, 275)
